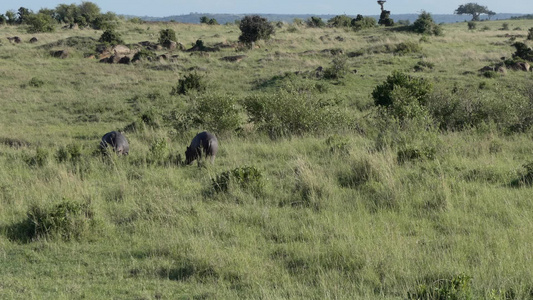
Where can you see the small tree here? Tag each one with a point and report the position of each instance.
(361, 22)
(315, 22)
(23, 13)
(472, 25)
(385, 19)
(166, 36)
(40, 23)
(111, 37)
(254, 28)
(11, 17)
(473, 9)
(425, 25)
(204, 20)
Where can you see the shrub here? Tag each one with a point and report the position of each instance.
(360, 22)
(39, 160)
(315, 22)
(522, 51)
(247, 177)
(424, 65)
(505, 26)
(218, 113)
(71, 152)
(36, 82)
(166, 36)
(158, 151)
(400, 91)
(40, 23)
(530, 34)
(338, 68)
(407, 47)
(67, 220)
(526, 178)
(338, 144)
(191, 82)
(144, 54)
(472, 25)
(385, 19)
(425, 25)
(111, 37)
(287, 113)
(340, 21)
(457, 287)
(254, 28)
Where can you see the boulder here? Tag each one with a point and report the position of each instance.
(125, 60)
(120, 50)
(34, 40)
(60, 54)
(15, 40)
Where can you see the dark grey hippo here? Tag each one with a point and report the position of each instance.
(206, 141)
(117, 140)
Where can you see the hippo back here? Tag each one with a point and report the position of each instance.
(117, 140)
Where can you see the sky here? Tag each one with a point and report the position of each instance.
(163, 8)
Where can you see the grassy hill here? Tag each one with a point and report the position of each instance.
(315, 193)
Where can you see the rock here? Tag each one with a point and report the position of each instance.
(125, 60)
(34, 40)
(486, 69)
(60, 54)
(172, 45)
(15, 40)
(236, 58)
(502, 70)
(120, 50)
(520, 66)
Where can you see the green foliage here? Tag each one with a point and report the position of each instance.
(111, 37)
(472, 25)
(166, 36)
(358, 173)
(218, 113)
(144, 54)
(191, 82)
(67, 220)
(158, 151)
(40, 158)
(338, 144)
(206, 20)
(522, 51)
(40, 23)
(360, 23)
(473, 9)
(340, 21)
(423, 66)
(254, 28)
(247, 177)
(338, 68)
(404, 48)
(72, 153)
(315, 22)
(36, 82)
(287, 113)
(530, 34)
(425, 25)
(505, 26)
(526, 179)
(411, 89)
(457, 288)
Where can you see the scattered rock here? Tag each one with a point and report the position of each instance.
(60, 54)
(15, 40)
(235, 58)
(120, 50)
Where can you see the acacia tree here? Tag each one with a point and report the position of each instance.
(254, 28)
(473, 9)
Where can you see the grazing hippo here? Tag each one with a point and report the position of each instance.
(205, 140)
(117, 140)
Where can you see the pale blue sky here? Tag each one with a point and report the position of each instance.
(161, 8)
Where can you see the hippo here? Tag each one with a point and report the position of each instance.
(205, 140)
(117, 140)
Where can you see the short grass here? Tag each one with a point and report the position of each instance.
(336, 217)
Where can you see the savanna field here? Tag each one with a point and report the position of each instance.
(371, 164)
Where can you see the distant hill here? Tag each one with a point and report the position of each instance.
(230, 18)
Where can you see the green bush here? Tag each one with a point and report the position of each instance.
(402, 94)
(472, 25)
(340, 21)
(40, 23)
(407, 48)
(166, 36)
(360, 22)
(315, 22)
(338, 68)
(191, 82)
(287, 113)
(425, 25)
(385, 19)
(111, 37)
(67, 220)
(158, 151)
(530, 34)
(522, 51)
(457, 288)
(40, 158)
(36, 82)
(338, 144)
(144, 54)
(71, 152)
(247, 177)
(254, 28)
(218, 113)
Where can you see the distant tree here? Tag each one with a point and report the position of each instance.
(530, 34)
(66, 13)
(105, 21)
(340, 21)
(11, 17)
(425, 25)
(40, 22)
(473, 9)
(88, 12)
(491, 14)
(3, 19)
(204, 20)
(47, 11)
(254, 28)
(404, 22)
(385, 19)
(315, 22)
(361, 22)
(212, 21)
(297, 22)
(22, 14)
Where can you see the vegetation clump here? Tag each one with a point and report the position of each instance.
(425, 25)
(247, 177)
(191, 82)
(166, 36)
(111, 37)
(254, 28)
(360, 23)
(458, 287)
(315, 22)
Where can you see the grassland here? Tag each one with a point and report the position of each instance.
(335, 215)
